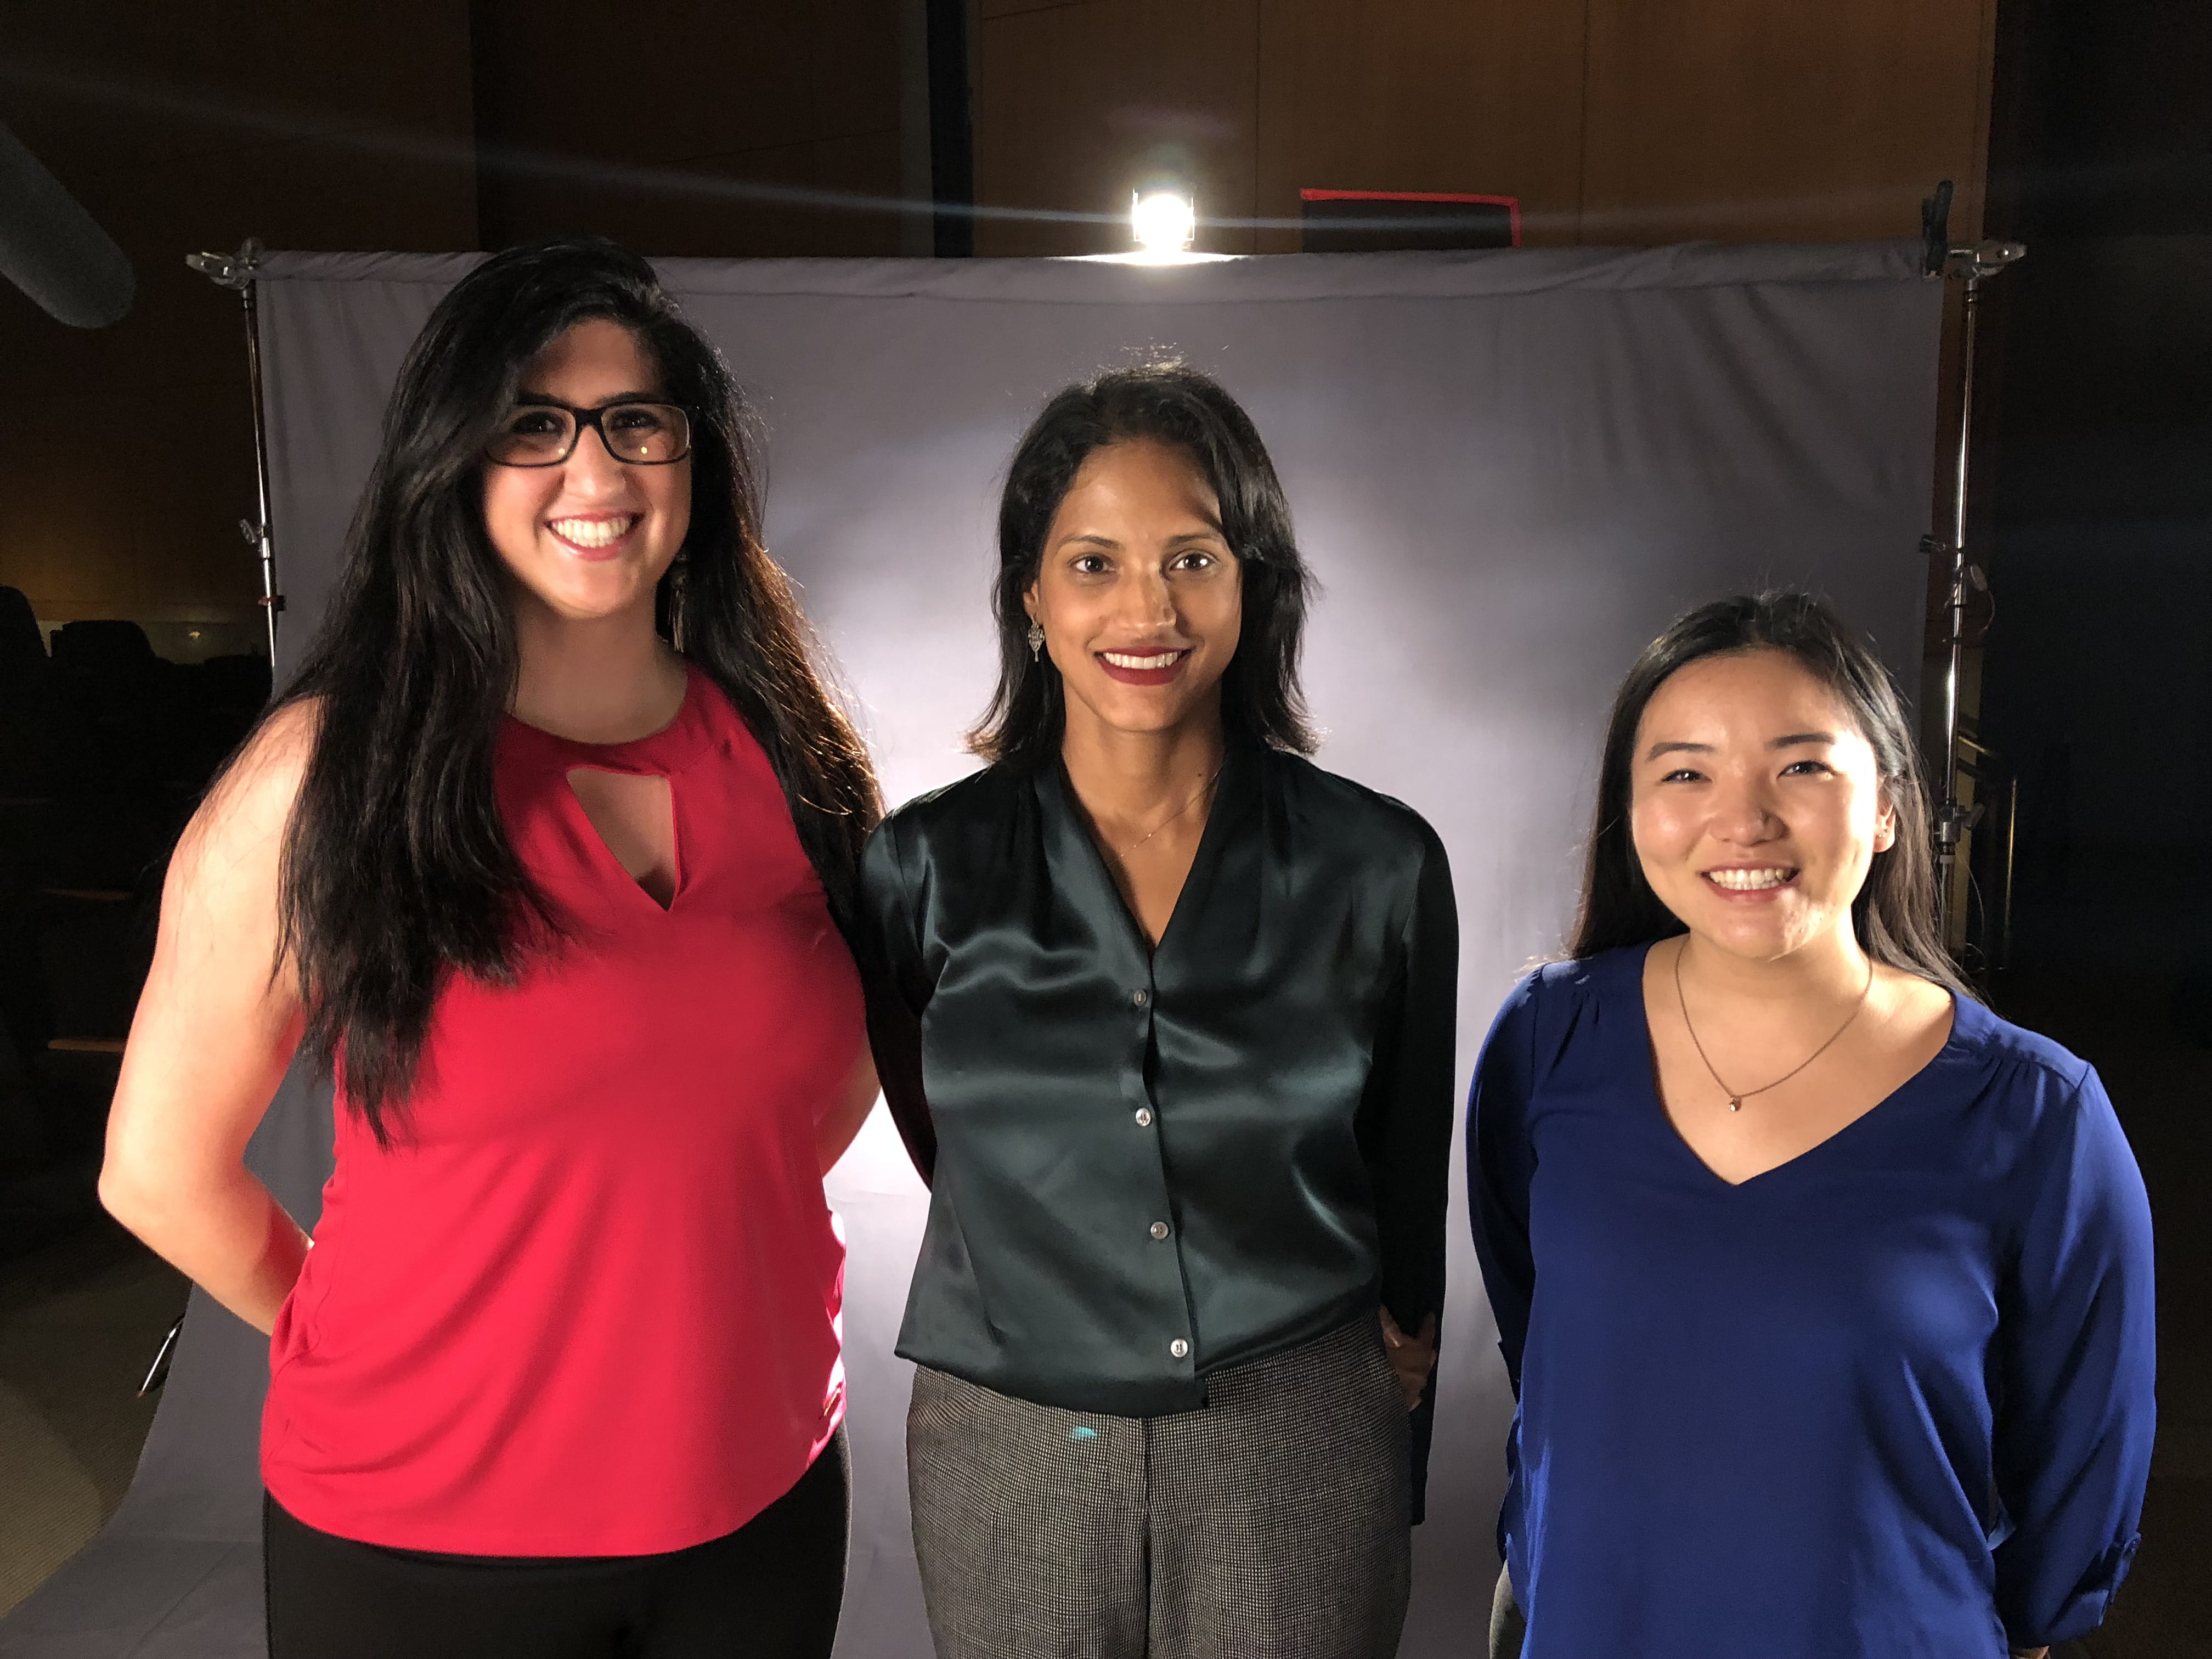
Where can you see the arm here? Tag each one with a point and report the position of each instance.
(2075, 1351)
(886, 947)
(835, 1129)
(215, 1027)
(1499, 1163)
(1410, 1095)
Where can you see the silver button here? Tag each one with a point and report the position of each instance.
(1179, 1348)
(1138, 999)
(1143, 1118)
(1159, 1229)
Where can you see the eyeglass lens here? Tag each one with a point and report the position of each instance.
(542, 434)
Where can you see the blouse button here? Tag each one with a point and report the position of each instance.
(1179, 1348)
(1159, 1229)
(1138, 999)
(1143, 1118)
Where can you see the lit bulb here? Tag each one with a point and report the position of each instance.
(1163, 220)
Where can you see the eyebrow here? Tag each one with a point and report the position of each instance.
(1097, 540)
(545, 400)
(1794, 739)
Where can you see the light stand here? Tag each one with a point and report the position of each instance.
(236, 271)
(1969, 267)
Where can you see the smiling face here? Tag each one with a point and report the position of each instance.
(590, 538)
(1756, 805)
(1138, 591)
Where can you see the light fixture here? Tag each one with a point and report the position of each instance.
(1163, 222)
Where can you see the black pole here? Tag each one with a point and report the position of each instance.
(951, 131)
(236, 271)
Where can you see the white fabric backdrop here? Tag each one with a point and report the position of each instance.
(1509, 470)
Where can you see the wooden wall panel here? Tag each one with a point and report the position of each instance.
(1483, 96)
(1075, 103)
(804, 96)
(1781, 120)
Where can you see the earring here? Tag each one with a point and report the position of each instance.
(1036, 640)
(677, 573)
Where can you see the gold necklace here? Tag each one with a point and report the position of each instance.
(1124, 852)
(1736, 1098)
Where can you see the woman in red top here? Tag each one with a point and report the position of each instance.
(560, 904)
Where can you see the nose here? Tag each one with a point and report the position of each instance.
(1742, 809)
(592, 470)
(1143, 599)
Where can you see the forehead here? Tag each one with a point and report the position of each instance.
(591, 359)
(1139, 475)
(1747, 695)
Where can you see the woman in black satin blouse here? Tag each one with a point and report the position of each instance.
(1165, 1015)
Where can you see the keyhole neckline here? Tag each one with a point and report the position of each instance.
(664, 753)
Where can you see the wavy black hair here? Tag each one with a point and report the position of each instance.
(396, 871)
(1896, 913)
(1171, 403)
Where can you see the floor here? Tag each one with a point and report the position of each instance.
(81, 1320)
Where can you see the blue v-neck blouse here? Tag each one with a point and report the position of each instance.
(1890, 1399)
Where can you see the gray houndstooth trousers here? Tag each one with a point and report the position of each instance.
(1271, 1523)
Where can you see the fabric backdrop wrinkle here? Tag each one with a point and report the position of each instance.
(1509, 471)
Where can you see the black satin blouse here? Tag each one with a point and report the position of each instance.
(1145, 1165)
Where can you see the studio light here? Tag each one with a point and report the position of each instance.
(1163, 221)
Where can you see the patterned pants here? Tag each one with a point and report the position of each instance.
(1272, 1523)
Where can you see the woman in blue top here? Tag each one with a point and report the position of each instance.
(1826, 1293)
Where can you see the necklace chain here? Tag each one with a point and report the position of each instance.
(1202, 789)
(1737, 1096)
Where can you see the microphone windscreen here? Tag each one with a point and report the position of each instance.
(50, 248)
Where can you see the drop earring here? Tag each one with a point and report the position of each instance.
(1036, 640)
(677, 573)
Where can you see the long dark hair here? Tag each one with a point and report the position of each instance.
(1170, 404)
(1896, 913)
(396, 871)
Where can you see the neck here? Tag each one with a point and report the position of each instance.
(1120, 774)
(1828, 969)
(607, 679)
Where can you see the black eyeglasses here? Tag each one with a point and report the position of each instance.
(544, 435)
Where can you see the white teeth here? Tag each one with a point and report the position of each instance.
(1126, 660)
(1747, 881)
(594, 532)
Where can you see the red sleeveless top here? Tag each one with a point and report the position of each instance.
(588, 1302)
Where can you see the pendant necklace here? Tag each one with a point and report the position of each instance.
(1171, 818)
(1735, 1097)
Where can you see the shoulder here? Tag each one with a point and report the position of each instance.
(237, 835)
(967, 818)
(1609, 976)
(2026, 1061)
(2045, 1120)
(257, 790)
(1553, 1004)
(1381, 823)
(983, 797)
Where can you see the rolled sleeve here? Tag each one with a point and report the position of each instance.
(2075, 1429)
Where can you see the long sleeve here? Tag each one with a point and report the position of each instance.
(897, 989)
(1409, 1099)
(1499, 1164)
(2076, 1411)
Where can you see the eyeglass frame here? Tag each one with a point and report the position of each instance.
(591, 417)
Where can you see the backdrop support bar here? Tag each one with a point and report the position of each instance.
(236, 271)
(1970, 266)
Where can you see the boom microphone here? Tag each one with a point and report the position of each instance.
(50, 248)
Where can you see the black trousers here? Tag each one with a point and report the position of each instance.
(769, 1590)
